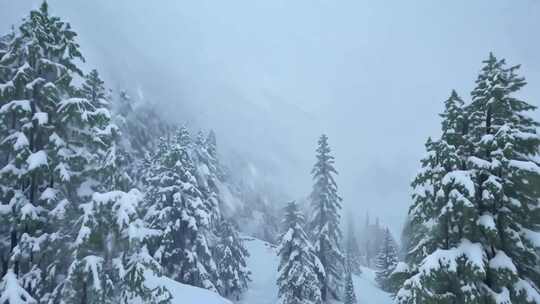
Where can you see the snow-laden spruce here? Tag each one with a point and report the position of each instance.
(349, 296)
(324, 225)
(352, 250)
(300, 270)
(208, 172)
(504, 159)
(475, 211)
(70, 234)
(370, 238)
(176, 208)
(111, 261)
(53, 142)
(231, 256)
(387, 260)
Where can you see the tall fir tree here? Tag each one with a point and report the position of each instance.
(56, 143)
(349, 296)
(324, 226)
(114, 161)
(387, 260)
(111, 263)
(47, 136)
(352, 250)
(504, 158)
(206, 172)
(231, 258)
(480, 216)
(299, 269)
(176, 208)
(442, 221)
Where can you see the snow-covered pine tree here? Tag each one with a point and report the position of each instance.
(352, 250)
(5, 219)
(365, 242)
(504, 156)
(387, 260)
(349, 296)
(93, 89)
(211, 144)
(140, 124)
(44, 148)
(111, 262)
(175, 207)
(206, 171)
(56, 149)
(114, 160)
(324, 226)
(442, 261)
(231, 258)
(484, 216)
(299, 269)
(425, 187)
(371, 236)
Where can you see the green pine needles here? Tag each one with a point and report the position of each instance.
(475, 219)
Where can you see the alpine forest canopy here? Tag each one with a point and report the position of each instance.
(100, 198)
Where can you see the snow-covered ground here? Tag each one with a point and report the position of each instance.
(367, 291)
(186, 294)
(263, 263)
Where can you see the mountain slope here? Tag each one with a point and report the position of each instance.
(263, 262)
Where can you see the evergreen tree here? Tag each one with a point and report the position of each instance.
(56, 146)
(114, 162)
(442, 221)
(47, 135)
(425, 187)
(111, 262)
(475, 211)
(371, 237)
(206, 172)
(211, 143)
(140, 124)
(352, 251)
(175, 207)
(350, 296)
(324, 226)
(231, 258)
(504, 147)
(387, 260)
(299, 269)
(93, 89)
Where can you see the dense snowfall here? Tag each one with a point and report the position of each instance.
(103, 200)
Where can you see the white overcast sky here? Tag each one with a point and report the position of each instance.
(271, 75)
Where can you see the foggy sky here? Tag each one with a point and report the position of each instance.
(270, 76)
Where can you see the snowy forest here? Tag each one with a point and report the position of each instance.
(108, 197)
